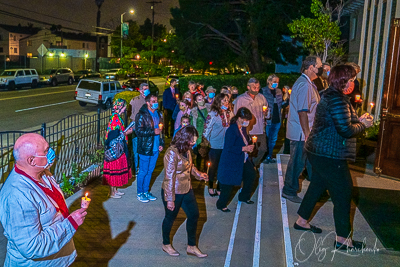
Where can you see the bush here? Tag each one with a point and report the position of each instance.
(127, 95)
(372, 132)
(240, 81)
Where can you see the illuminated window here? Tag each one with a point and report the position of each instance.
(29, 43)
(29, 55)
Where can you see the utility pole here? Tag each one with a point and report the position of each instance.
(152, 27)
(98, 3)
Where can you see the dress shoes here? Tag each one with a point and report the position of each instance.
(170, 250)
(312, 228)
(248, 201)
(357, 245)
(224, 209)
(195, 251)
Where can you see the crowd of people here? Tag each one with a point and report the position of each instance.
(220, 138)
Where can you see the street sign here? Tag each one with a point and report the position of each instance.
(42, 50)
(125, 30)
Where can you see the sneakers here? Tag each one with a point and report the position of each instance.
(294, 199)
(149, 196)
(142, 198)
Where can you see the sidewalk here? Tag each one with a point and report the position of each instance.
(124, 232)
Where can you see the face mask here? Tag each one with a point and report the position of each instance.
(320, 71)
(184, 124)
(51, 156)
(201, 103)
(274, 85)
(234, 96)
(245, 123)
(328, 72)
(146, 92)
(211, 95)
(182, 108)
(189, 99)
(224, 107)
(154, 106)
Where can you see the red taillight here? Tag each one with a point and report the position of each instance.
(76, 94)
(123, 86)
(100, 97)
(137, 88)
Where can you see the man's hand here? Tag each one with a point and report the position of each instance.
(171, 205)
(248, 148)
(79, 216)
(157, 131)
(160, 148)
(128, 132)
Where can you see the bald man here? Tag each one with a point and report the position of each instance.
(33, 211)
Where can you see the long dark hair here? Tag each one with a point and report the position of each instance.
(216, 105)
(340, 75)
(243, 113)
(183, 138)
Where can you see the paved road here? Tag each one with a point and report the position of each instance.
(27, 108)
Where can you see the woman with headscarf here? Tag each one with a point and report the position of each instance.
(117, 173)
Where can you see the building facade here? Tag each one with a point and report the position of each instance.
(11, 35)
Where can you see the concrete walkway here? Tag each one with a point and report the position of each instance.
(125, 232)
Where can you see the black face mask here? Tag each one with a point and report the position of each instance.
(320, 71)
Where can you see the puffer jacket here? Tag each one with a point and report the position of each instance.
(177, 173)
(335, 127)
(266, 91)
(145, 131)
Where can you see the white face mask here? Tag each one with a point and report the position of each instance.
(245, 123)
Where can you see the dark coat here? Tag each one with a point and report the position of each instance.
(145, 131)
(335, 128)
(169, 100)
(266, 91)
(230, 168)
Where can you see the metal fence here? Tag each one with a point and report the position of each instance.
(74, 139)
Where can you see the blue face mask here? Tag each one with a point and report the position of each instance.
(224, 107)
(211, 95)
(328, 72)
(274, 85)
(154, 106)
(51, 156)
(146, 92)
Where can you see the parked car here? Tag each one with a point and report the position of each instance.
(56, 76)
(134, 83)
(112, 74)
(14, 78)
(173, 76)
(86, 74)
(97, 91)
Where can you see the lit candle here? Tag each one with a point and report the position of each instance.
(372, 105)
(160, 125)
(265, 108)
(290, 91)
(358, 97)
(254, 138)
(208, 166)
(85, 201)
(177, 96)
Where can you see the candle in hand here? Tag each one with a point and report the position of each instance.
(85, 201)
(160, 125)
(372, 105)
(290, 91)
(254, 138)
(177, 96)
(208, 167)
(265, 108)
(358, 97)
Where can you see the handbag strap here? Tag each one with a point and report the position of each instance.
(201, 114)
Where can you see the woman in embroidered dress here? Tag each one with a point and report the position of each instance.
(117, 173)
(217, 122)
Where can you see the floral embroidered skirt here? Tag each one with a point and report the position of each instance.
(117, 172)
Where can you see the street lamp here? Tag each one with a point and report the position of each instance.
(86, 56)
(122, 23)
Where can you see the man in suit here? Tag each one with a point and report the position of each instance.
(169, 103)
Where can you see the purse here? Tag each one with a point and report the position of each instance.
(116, 149)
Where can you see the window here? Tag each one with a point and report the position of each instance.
(15, 50)
(1, 50)
(33, 72)
(29, 43)
(83, 45)
(59, 43)
(106, 87)
(15, 38)
(20, 73)
(29, 55)
(118, 86)
(353, 28)
(112, 86)
(27, 72)
(102, 46)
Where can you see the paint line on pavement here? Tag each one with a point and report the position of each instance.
(233, 234)
(53, 93)
(55, 104)
(285, 218)
(257, 237)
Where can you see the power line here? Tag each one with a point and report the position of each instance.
(33, 20)
(70, 21)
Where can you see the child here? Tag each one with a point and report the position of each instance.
(184, 122)
(184, 107)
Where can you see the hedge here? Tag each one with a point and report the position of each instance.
(127, 96)
(240, 81)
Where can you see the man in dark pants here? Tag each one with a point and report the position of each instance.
(169, 103)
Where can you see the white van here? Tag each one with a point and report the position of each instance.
(97, 91)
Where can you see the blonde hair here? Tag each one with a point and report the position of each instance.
(271, 77)
(356, 67)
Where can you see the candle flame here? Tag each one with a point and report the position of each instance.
(372, 104)
(86, 195)
(209, 164)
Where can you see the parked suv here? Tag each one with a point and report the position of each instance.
(13, 78)
(97, 91)
(56, 76)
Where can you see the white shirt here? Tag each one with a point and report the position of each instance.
(257, 125)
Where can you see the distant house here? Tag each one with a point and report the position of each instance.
(368, 37)
(11, 35)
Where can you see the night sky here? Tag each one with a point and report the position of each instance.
(84, 12)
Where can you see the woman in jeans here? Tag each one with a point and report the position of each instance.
(217, 123)
(331, 143)
(235, 165)
(177, 190)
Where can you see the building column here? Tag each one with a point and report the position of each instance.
(361, 56)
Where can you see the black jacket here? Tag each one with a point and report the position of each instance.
(145, 131)
(335, 127)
